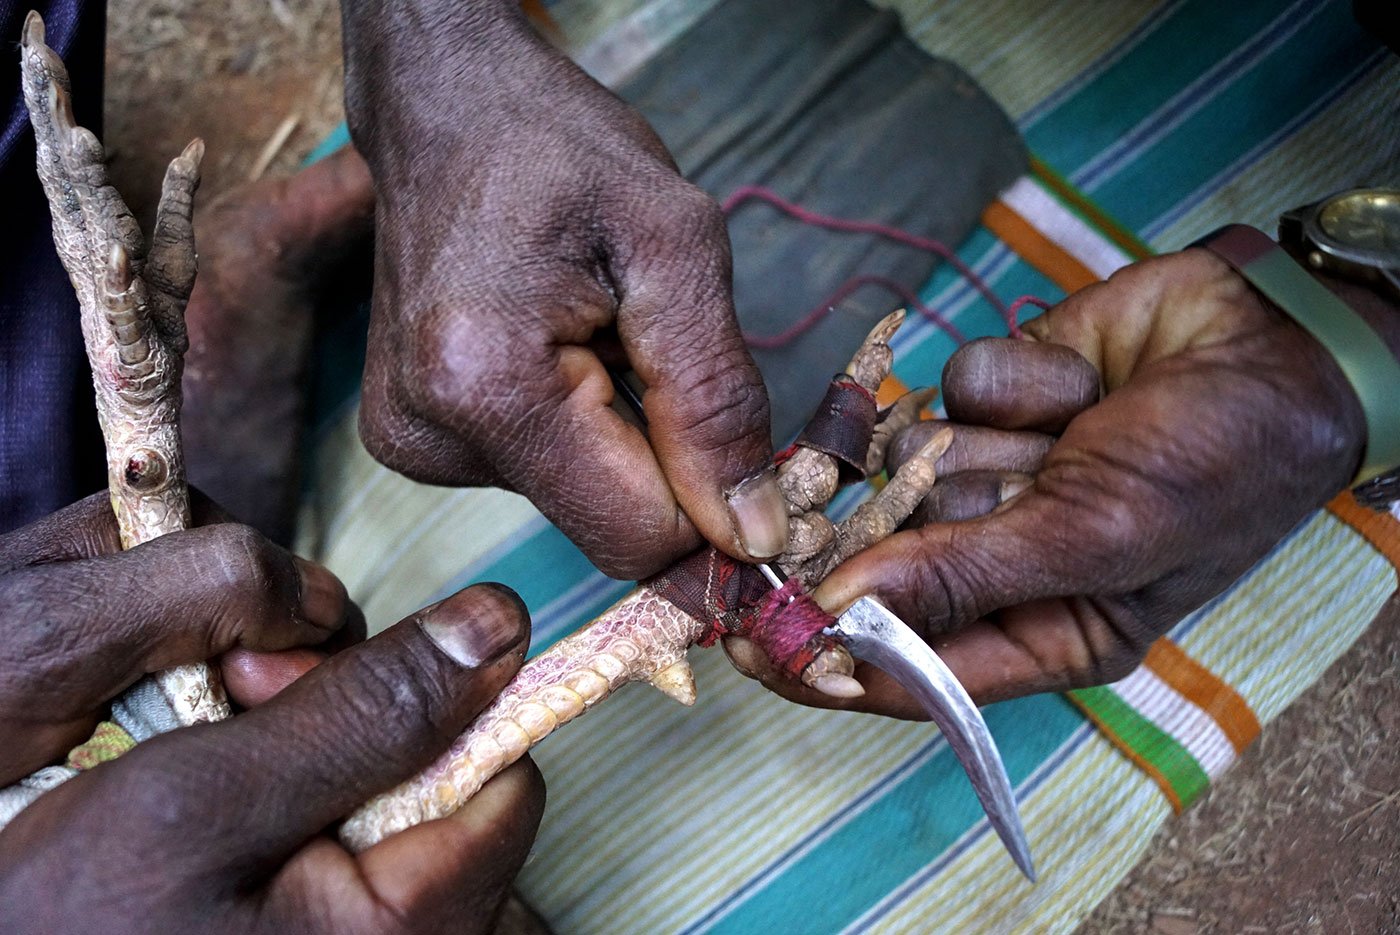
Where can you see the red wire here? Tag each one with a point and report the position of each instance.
(806, 322)
(1016, 306)
(927, 244)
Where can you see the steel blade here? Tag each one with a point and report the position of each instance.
(874, 633)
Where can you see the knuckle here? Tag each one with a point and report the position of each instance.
(732, 403)
(419, 448)
(689, 208)
(704, 215)
(441, 379)
(1100, 665)
(168, 784)
(256, 582)
(686, 224)
(1113, 529)
(946, 593)
(248, 560)
(455, 392)
(1108, 642)
(1114, 665)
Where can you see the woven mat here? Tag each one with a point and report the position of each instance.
(1149, 123)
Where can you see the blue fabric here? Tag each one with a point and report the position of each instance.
(49, 447)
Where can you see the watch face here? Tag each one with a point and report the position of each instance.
(1365, 220)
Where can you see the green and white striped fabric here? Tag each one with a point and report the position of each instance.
(749, 814)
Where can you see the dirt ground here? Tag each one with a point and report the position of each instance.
(259, 80)
(1300, 837)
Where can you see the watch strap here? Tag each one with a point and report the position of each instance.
(1363, 357)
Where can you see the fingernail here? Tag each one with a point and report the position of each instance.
(322, 595)
(832, 598)
(838, 686)
(1013, 486)
(476, 626)
(760, 516)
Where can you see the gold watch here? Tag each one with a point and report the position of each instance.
(1354, 235)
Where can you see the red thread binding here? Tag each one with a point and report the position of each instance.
(788, 627)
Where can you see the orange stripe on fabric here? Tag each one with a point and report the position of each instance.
(1382, 530)
(1037, 249)
(1205, 690)
(1110, 228)
(1124, 748)
(889, 391)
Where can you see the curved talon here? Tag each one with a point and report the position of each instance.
(171, 266)
(871, 363)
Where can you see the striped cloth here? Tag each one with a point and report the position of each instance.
(749, 814)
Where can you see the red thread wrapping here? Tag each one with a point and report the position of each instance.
(786, 623)
(788, 627)
(709, 585)
(785, 454)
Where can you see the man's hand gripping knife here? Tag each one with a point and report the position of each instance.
(705, 597)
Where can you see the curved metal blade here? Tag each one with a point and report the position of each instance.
(875, 634)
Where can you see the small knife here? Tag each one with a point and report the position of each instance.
(871, 631)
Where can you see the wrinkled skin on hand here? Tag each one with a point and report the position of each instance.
(81, 620)
(531, 227)
(1075, 531)
(222, 827)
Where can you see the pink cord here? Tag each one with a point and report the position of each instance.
(927, 244)
(806, 322)
(1016, 306)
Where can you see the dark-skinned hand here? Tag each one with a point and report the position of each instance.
(530, 227)
(1069, 532)
(81, 620)
(223, 827)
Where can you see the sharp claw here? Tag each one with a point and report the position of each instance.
(193, 153)
(118, 270)
(886, 327)
(33, 33)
